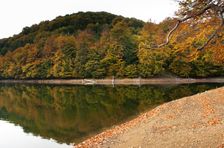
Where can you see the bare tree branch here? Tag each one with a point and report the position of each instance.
(218, 8)
(170, 33)
(214, 33)
(202, 11)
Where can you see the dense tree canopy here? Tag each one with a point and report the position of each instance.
(100, 45)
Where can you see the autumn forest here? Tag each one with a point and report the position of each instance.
(102, 45)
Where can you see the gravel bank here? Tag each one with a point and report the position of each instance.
(196, 121)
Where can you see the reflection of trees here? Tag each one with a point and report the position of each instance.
(70, 113)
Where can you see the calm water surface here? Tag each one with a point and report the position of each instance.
(50, 116)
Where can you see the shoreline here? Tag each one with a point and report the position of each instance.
(137, 81)
(195, 121)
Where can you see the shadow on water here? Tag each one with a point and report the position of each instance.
(69, 114)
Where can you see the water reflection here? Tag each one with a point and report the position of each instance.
(69, 114)
(15, 137)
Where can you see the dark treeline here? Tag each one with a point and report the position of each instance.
(100, 45)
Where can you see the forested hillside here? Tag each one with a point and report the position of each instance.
(100, 45)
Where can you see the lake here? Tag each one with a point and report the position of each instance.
(58, 116)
